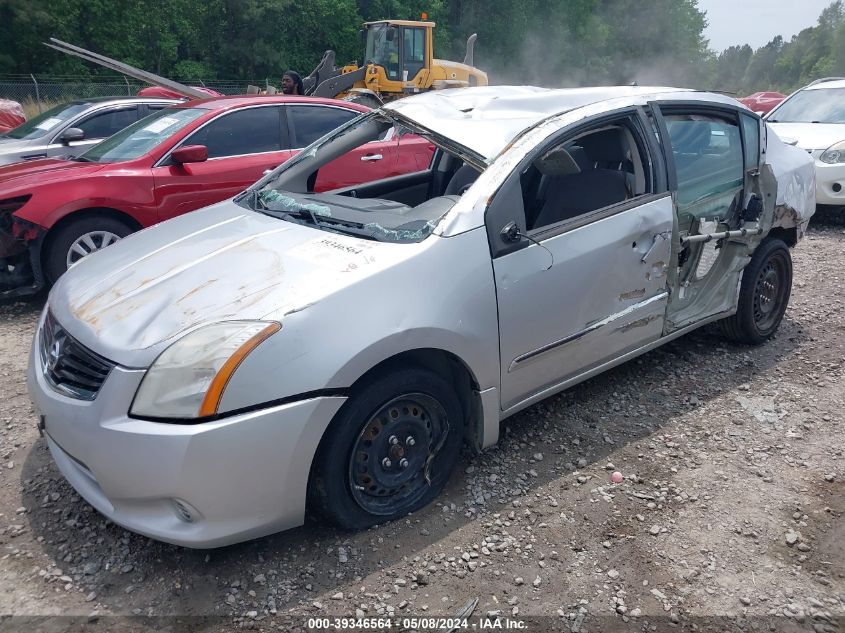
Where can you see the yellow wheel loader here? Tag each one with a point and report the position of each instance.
(399, 61)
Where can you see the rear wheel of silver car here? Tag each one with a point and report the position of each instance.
(763, 296)
(389, 451)
(78, 239)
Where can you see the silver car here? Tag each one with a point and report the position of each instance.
(206, 380)
(71, 128)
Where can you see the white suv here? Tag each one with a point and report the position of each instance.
(814, 118)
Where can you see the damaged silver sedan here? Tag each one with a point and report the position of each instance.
(207, 380)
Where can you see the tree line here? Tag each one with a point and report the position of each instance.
(818, 51)
(541, 42)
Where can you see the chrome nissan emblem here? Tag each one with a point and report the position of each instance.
(53, 355)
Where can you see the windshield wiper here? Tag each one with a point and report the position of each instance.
(253, 199)
(81, 159)
(327, 223)
(317, 219)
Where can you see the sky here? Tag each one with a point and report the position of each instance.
(756, 22)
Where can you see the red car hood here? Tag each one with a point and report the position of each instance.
(36, 172)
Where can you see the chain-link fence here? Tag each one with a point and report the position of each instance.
(38, 91)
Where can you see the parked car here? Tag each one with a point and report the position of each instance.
(814, 119)
(762, 102)
(71, 128)
(205, 380)
(11, 115)
(174, 161)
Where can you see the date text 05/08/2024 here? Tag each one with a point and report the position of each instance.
(415, 623)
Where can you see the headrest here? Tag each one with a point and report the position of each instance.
(557, 162)
(606, 146)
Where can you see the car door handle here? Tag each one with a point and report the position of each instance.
(370, 157)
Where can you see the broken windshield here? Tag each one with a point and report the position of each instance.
(374, 177)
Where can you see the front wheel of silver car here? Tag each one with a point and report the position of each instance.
(389, 451)
(763, 295)
(79, 238)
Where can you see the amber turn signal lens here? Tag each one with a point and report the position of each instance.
(211, 402)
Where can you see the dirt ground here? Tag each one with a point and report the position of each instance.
(730, 516)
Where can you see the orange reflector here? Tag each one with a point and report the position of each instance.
(211, 402)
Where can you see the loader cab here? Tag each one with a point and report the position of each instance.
(401, 49)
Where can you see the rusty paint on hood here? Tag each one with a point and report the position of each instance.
(217, 264)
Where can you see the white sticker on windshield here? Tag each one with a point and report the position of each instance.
(48, 124)
(161, 124)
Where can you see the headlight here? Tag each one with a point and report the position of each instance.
(188, 379)
(835, 154)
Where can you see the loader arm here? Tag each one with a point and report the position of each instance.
(341, 82)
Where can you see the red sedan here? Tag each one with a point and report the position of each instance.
(762, 102)
(54, 212)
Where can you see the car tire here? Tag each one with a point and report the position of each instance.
(389, 451)
(88, 234)
(763, 296)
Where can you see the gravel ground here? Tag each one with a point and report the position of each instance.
(730, 513)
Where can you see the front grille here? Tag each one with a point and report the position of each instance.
(69, 366)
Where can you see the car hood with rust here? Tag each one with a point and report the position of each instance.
(130, 301)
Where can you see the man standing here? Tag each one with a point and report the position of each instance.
(292, 83)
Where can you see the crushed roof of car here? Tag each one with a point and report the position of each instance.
(486, 119)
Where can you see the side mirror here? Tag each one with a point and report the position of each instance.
(71, 135)
(190, 154)
(363, 35)
(510, 233)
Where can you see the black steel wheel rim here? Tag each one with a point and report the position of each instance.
(392, 454)
(769, 291)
